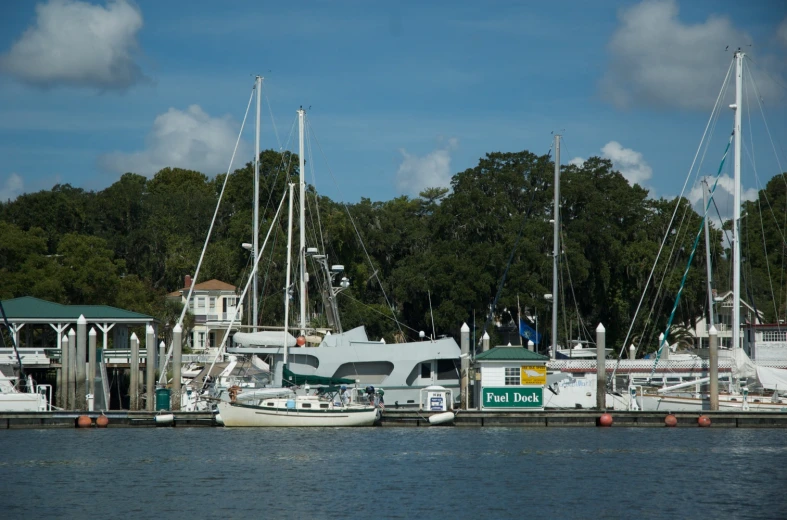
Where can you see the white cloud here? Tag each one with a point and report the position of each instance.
(781, 32)
(189, 139)
(656, 59)
(78, 44)
(577, 161)
(11, 188)
(630, 163)
(433, 170)
(723, 198)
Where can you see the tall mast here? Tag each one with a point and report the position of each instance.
(302, 196)
(556, 243)
(736, 218)
(705, 191)
(286, 344)
(256, 230)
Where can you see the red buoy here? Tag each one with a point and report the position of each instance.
(703, 421)
(83, 421)
(102, 421)
(605, 420)
(670, 421)
(301, 341)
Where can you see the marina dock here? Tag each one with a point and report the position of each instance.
(414, 418)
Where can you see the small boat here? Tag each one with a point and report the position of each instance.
(302, 410)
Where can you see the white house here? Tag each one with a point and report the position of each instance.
(512, 378)
(723, 323)
(213, 304)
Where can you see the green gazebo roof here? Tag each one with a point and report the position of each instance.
(510, 354)
(29, 309)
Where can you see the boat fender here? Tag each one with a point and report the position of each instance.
(441, 418)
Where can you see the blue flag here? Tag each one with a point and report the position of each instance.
(527, 332)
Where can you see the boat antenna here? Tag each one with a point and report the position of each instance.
(13, 342)
(434, 333)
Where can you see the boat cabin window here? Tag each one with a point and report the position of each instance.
(324, 405)
(268, 404)
(426, 369)
(512, 376)
(447, 369)
(306, 405)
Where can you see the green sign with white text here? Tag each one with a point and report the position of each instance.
(513, 397)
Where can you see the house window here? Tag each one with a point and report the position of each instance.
(201, 340)
(201, 305)
(212, 304)
(512, 376)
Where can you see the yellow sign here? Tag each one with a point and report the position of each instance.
(533, 375)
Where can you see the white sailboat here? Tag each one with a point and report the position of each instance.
(680, 397)
(267, 408)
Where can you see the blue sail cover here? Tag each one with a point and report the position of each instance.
(527, 332)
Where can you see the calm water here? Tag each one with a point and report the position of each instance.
(390, 472)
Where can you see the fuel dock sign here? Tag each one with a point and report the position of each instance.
(512, 397)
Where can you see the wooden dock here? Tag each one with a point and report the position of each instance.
(116, 419)
(590, 418)
(414, 418)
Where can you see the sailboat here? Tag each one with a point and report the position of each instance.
(680, 397)
(296, 410)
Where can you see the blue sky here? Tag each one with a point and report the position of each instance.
(402, 94)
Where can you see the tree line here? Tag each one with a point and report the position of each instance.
(433, 259)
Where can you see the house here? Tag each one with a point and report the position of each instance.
(213, 304)
(723, 323)
(512, 377)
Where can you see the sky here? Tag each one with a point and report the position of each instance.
(400, 96)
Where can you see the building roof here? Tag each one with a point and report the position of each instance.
(516, 353)
(29, 309)
(210, 285)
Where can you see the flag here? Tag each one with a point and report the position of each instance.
(527, 332)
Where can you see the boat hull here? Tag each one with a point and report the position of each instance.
(690, 404)
(238, 415)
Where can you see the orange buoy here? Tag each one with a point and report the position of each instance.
(670, 421)
(703, 421)
(83, 421)
(102, 421)
(605, 420)
(301, 341)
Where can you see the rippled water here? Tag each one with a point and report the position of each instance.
(394, 473)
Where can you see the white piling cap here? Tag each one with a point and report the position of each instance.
(72, 332)
(485, 336)
(92, 332)
(81, 320)
(177, 328)
(530, 343)
(149, 329)
(600, 328)
(64, 339)
(713, 331)
(134, 336)
(465, 328)
(162, 345)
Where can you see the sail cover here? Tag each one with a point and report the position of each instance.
(289, 378)
(772, 378)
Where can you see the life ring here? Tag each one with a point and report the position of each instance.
(234, 391)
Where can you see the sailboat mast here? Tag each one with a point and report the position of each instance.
(556, 244)
(705, 191)
(736, 219)
(302, 198)
(256, 230)
(286, 344)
